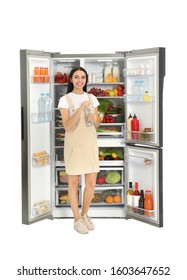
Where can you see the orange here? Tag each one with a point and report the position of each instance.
(117, 199)
(109, 199)
(107, 90)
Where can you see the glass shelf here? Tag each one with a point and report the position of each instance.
(138, 72)
(139, 98)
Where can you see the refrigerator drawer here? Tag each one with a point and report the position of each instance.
(61, 177)
(62, 199)
(59, 137)
(111, 196)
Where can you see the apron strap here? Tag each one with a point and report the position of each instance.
(70, 102)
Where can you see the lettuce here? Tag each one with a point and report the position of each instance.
(113, 177)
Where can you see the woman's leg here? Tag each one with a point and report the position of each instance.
(73, 183)
(90, 181)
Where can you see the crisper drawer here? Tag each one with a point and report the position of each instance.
(110, 176)
(111, 156)
(62, 199)
(108, 196)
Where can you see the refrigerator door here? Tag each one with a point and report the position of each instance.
(144, 165)
(144, 76)
(36, 138)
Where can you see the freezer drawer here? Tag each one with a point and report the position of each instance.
(144, 166)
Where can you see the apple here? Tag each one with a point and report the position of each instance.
(120, 92)
(120, 87)
(111, 93)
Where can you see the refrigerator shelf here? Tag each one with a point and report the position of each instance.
(140, 211)
(139, 135)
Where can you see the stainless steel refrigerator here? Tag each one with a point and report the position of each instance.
(137, 154)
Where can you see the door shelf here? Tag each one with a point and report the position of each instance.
(141, 212)
(140, 135)
(139, 159)
(41, 208)
(41, 159)
(150, 99)
(138, 72)
(40, 79)
(41, 117)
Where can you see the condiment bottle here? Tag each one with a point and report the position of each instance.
(141, 203)
(136, 197)
(148, 203)
(129, 126)
(116, 72)
(146, 96)
(134, 127)
(129, 197)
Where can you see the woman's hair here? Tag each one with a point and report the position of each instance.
(70, 84)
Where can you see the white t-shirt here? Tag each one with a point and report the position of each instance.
(77, 100)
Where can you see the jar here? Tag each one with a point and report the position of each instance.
(107, 70)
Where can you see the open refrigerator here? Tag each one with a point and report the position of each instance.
(44, 180)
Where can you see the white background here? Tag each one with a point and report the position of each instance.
(94, 27)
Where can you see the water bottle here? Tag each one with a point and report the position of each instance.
(136, 90)
(48, 107)
(142, 89)
(88, 110)
(42, 108)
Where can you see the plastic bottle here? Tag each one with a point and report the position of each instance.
(136, 197)
(88, 110)
(48, 107)
(148, 203)
(42, 108)
(116, 71)
(141, 203)
(129, 127)
(134, 127)
(146, 96)
(129, 197)
(107, 70)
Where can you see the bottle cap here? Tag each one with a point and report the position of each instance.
(130, 185)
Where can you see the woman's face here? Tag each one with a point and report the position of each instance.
(78, 79)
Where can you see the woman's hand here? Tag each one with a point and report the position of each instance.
(85, 104)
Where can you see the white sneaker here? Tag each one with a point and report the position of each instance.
(80, 226)
(88, 222)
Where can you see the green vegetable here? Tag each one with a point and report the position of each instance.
(104, 104)
(113, 177)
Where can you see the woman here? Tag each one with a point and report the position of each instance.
(80, 147)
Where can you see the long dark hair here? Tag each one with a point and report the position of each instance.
(70, 84)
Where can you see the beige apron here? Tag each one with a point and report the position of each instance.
(81, 153)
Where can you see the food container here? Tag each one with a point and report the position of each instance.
(118, 118)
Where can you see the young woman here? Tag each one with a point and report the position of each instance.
(80, 146)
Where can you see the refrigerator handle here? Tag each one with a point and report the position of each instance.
(22, 124)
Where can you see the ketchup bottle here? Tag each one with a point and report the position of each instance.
(134, 127)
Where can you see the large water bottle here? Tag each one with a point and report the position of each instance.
(48, 107)
(42, 108)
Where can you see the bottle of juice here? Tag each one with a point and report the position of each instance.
(129, 127)
(129, 197)
(148, 203)
(136, 197)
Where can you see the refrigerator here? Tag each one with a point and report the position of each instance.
(127, 156)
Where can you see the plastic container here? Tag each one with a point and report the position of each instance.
(88, 110)
(116, 71)
(42, 116)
